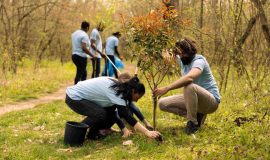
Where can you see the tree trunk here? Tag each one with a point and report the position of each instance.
(201, 27)
(239, 45)
(264, 23)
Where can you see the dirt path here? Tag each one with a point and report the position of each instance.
(58, 95)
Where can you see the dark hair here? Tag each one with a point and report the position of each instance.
(187, 45)
(85, 25)
(117, 34)
(101, 25)
(126, 88)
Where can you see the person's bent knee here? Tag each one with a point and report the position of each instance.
(162, 104)
(189, 87)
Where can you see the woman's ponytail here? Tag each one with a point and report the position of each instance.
(125, 89)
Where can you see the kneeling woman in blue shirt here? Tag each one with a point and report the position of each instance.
(98, 99)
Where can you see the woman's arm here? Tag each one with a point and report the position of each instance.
(125, 113)
(139, 114)
(118, 120)
(123, 110)
(183, 81)
(121, 125)
(134, 109)
(142, 129)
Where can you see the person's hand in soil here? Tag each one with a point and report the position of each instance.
(126, 133)
(153, 134)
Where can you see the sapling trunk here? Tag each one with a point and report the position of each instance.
(154, 108)
(154, 111)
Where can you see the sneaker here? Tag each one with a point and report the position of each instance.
(108, 131)
(201, 118)
(191, 127)
(105, 132)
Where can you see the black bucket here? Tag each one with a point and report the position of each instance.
(75, 133)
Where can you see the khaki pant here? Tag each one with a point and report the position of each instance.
(194, 100)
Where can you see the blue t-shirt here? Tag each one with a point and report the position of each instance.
(96, 90)
(77, 38)
(206, 79)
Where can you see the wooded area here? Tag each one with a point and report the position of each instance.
(233, 34)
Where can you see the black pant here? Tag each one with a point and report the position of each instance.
(96, 67)
(81, 63)
(111, 57)
(97, 117)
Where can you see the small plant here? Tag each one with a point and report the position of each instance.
(150, 38)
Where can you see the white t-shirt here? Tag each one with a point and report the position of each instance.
(77, 38)
(96, 90)
(111, 43)
(96, 36)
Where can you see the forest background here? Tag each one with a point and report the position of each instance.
(233, 35)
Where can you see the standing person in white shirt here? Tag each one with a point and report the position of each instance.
(96, 48)
(111, 50)
(80, 50)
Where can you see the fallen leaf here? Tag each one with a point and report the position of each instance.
(65, 150)
(128, 143)
(39, 128)
(88, 156)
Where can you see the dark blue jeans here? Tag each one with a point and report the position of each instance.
(96, 67)
(81, 63)
(111, 57)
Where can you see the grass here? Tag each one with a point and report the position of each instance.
(38, 133)
(29, 83)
